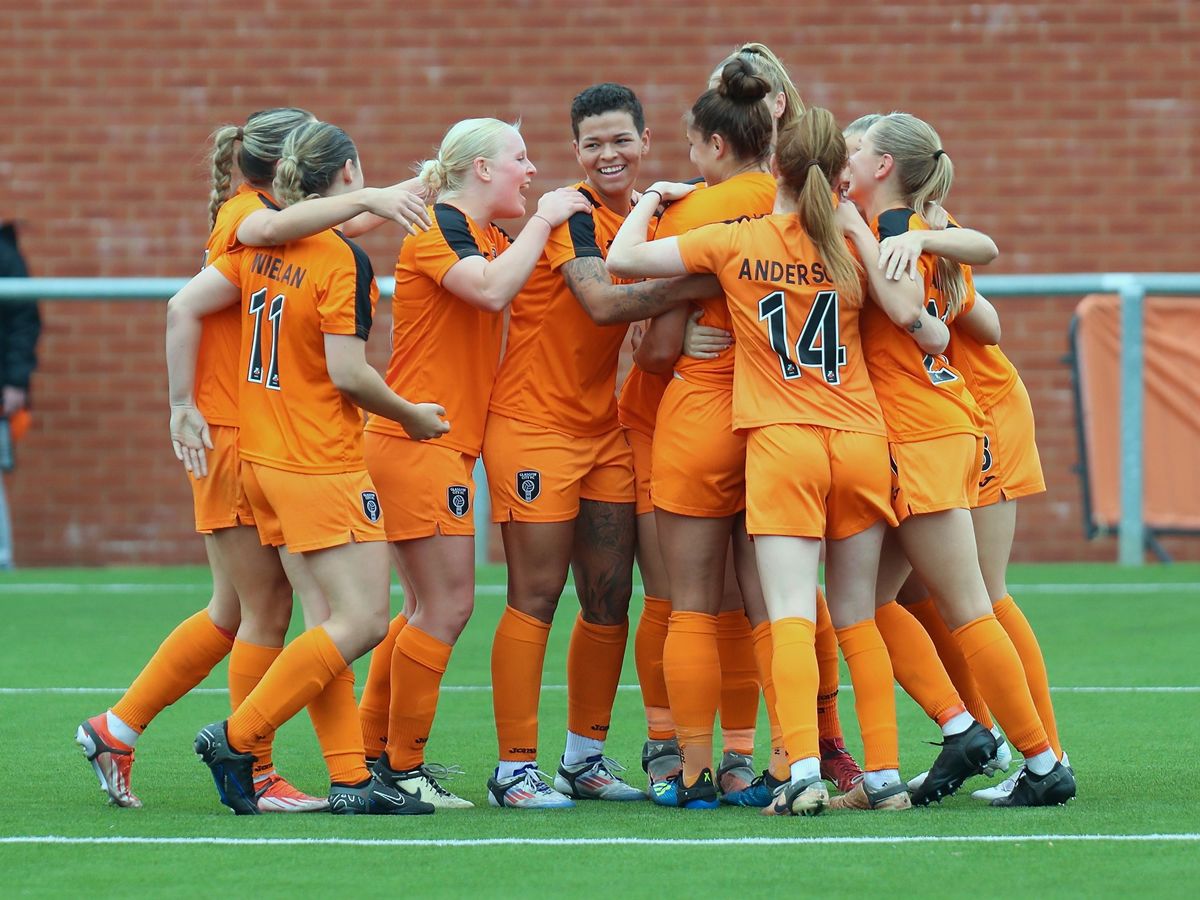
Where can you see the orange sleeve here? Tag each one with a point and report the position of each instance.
(708, 248)
(574, 239)
(229, 264)
(346, 302)
(438, 249)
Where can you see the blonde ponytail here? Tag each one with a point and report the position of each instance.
(810, 155)
(221, 160)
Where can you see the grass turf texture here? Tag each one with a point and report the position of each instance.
(1132, 753)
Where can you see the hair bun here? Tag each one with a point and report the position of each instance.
(740, 82)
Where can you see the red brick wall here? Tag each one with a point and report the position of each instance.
(1072, 127)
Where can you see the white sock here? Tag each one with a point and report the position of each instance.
(877, 781)
(1041, 763)
(508, 768)
(120, 730)
(998, 734)
(581, 749)
(958, 724)
(806, 769)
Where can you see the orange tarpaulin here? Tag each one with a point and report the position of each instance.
(1171, 411)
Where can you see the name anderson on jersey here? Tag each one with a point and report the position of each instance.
(782, 273)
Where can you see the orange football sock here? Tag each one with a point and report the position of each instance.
(828, 723)
(874, 694)
(179, 664)
(997, 669)
(916, 665)
(518, 654)
(740, 689)
(420, 662)
(692, 666)
(594, 659)
(794, 668)
(764, 655)
(334, 715)
(952, 659)
(248, 663)
(648, 654)
(377, 692)
(299, 675)
(1021, 634)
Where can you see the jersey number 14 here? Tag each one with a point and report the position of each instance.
(817, 347)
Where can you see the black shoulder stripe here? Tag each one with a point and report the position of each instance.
(267, 201)
(894, 222)
(452, 222)
(595, 201)
(363, 279)
(698, 180)
(583, 235)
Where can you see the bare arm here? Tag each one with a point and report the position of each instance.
(609, 303)
(902, 301)
(492, 284)
(982, 322)
(899, 254)
(271, 227)
(346, 362)
(631, 255)
(662, 341)
(207, 292)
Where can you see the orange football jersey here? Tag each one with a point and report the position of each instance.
(292, 416)
(744, 196)
(922, 396)
(797, 353)
(560, 367)
(444, 350)
(221, 333)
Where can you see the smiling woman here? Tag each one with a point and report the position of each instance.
(453, 283)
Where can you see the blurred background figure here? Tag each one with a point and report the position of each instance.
(20, 326)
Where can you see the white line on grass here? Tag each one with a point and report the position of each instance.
(498, 590)
(608, 841)
(481, 688)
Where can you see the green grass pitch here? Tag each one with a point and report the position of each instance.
(73, 638)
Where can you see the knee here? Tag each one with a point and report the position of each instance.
(373, 627)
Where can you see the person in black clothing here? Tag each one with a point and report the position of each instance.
(20, 325)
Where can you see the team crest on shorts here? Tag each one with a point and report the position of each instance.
(370, 505)
(458, 500)
(529, 484)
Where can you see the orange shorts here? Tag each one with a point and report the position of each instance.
(699, 463)
(218, 497)
(539, 475)
(1011, 465)
(812, 481)
(640, 444)
(312, 512)
(426, 487)
(935, 474)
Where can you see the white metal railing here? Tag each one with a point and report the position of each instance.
(1132, 288)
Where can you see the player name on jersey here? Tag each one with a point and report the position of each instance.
(272, 267)
(782, 273)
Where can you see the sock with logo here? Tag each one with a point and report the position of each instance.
(594, 659)
(419, 662)
(828, 722)
(692, 666)
(248, 663)
(518, 654)
(373, 708)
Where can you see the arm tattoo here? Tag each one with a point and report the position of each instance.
(915, 326)
(606, 302)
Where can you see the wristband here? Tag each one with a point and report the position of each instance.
(653, 191)
(544, 219)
